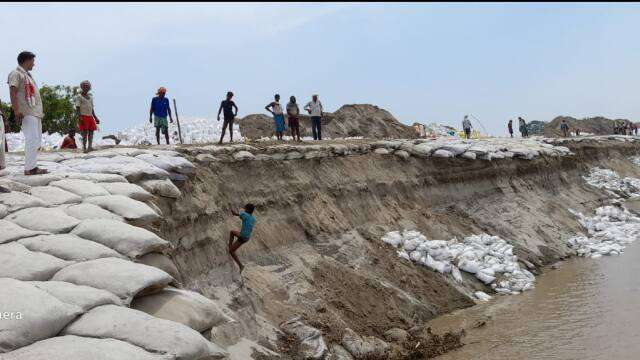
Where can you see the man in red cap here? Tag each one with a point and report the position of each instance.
(160, 109)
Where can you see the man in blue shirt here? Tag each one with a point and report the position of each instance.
(159, 109)
(243, 236)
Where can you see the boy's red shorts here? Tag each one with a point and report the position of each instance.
(87, 123)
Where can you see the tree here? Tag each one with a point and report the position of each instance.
(58, 106)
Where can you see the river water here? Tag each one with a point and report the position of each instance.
(585, 309)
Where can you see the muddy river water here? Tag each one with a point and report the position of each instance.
(585, 309)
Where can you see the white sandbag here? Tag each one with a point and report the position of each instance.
(84, 297)
(82, 188)
(456, 149)
(53, 220)
(364, 347)
(12, 232)
(394, 238)
(14, 185)
(36, 180)
(469, 155)
(423, 149)
(18, 262)
(243, 155)
(160, 261)
(170, 163)
(381, 151)
(164, 188)
(443, 153)
(124, 238)
(131, 210)
(183, 306)
(123, 278)
(402, 154)
(29, 315)
(68, 247)
(482, 296)
(312, 345)
(145, 331)
(131, 168)
(15, 201)
(72, 347)
(97, 178)
(339, 353)
(129, 190)
(52, 195)
(85, 211)
(3, 211)
(484, 277)
(456, 274)
(294, 155)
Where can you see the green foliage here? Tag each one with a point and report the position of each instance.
(59, 108)
(5, 109)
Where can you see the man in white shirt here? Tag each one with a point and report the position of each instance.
(314, 108)
(27, 107)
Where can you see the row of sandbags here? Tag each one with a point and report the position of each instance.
(609, 230)
(489, 258)
(613, 183)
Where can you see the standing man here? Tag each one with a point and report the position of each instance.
(228, 106)
(278, 117)
(87, 119)
(314, 108)
(160, 109)
(510, 126)
(293, 112)
(523, 127)
(565, 128)
(27, 106)
(466, 125)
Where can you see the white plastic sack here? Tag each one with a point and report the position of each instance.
(33, 315)
(72, 347)
(52, 195)
(160, 261)
(364, 347)
(84, 297)
(164, 188)
(98, 178)
(129, 190)
(87, 211)
(82, 188)
(169, 163)
(123, 278)
(129, 209)
(183, 306)
(18, 262)
(443, 153)
(15, 201)
(145, 331)
(11, 232)
(53, 220)
(124, 238)
(243, 155)
(312, 345)
(68, 247)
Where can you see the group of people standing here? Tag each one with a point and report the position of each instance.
(522, 127)
(623, 128)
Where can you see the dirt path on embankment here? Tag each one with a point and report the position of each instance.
(316, 251)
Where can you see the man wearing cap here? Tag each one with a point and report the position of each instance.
(160, 109)
(87, 119)
(314, 108)
(27, 107)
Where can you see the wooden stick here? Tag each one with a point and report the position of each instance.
(175, 109)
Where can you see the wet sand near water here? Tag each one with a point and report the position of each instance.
(586, 309)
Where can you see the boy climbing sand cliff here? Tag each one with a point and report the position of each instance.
(243, 236)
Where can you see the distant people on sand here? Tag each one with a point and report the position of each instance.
(565, 128)
(314, 108)
(244, 235)
(523, 127)
(27, 107)
(510, 127)
(87, 119)
(69, 141)
(228, 107)
(160, 109)
(278, 117)
(293, 115)
(466, 126)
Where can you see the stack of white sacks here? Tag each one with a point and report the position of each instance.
(613, 183)
(609, 231)
(489, 258)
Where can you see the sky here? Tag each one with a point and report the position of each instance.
(423, 62)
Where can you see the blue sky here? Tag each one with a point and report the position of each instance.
(422, 62)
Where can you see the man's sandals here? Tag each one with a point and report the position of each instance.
(36, 171)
